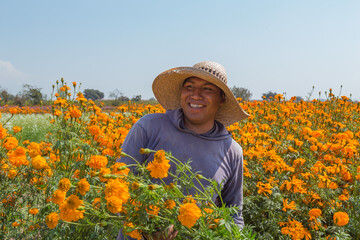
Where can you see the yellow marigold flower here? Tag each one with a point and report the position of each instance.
(170, 204)
(58, 197)
(12, 173)
(341, 218)
(16, 129)
(83, 186)
(97, 162)
(33, 211)
(159, 167)
(64, 184)
(117, 188)
(114, 204)
(10, 143)
(189, 214)
(39, 163)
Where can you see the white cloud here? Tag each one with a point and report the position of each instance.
(9, 72)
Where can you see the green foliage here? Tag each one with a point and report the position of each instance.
(242, 93)
(93, 94)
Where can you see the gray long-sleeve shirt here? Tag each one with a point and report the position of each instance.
(215, 154)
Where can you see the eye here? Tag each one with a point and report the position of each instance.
(208, 89)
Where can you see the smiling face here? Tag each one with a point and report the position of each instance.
(200, 101)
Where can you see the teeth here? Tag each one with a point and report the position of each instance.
(195, 105)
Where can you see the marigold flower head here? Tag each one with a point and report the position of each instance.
(73, 202)
(64, 184)
(341, 218)
(189, 214)
(170, 204)
(120, 168)
(52, 220)
(12, 173)
(39, 163)
(159, 167)
(134, 233)
(10, 143)
(33, 211)
(69, 214)
(83, 186)
(117, 188)
(58, 197)
(94, 130)
(114, 204)
(75, 112)
(315, 213)
(97, 162)
(16, 129)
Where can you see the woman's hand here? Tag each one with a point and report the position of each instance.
(168, 234)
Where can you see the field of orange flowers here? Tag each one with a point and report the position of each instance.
(302, 175)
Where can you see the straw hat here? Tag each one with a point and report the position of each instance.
(167, 89)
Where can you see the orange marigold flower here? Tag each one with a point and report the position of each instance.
(341, 218)
(83, 186)
(16, 129)
(103, 172)
(120, 168)
(58, 197)
(69, 214)
(134, 233)
(73, 202)
(287, 206)
(3, 132)
(64, 184)
(189, 214)
(15, 224)
(97, 162)
(34, 149)
(96, 203)
(39, 163)
(10, 143)
(153, 210)
(159, 167)
(114, 204)
(52, 220)
(33, 211)
(75, 112)
(12, 173)
(170, 204)
(315, 213)
(94, 130)
(117, 188)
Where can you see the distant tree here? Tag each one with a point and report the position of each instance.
(118, 96)
(269, 95)
(243, 93)
(136, 98)
(93, 94)
(32, 94)
(6, 96)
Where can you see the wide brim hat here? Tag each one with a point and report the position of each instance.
(167, 88)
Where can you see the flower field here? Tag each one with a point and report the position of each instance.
(301, 175)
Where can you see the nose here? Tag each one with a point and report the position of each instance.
(196, 94)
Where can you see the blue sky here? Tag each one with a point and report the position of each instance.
(282, 46)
